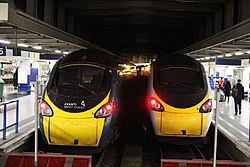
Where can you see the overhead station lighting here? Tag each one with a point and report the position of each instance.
(248, 51)
(228, 55)
(220, 56)
(47, 49)
(4, 41)
(239, 53)
(58, 51)
(22, 45)
(65, 53)
(213, 57)
(37, 47)
(207, 58)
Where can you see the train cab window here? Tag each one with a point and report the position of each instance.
(173, 78)
(80, 76)
(179, 86)
(79, 82)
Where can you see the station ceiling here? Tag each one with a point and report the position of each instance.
(134, 28)
(145, 27)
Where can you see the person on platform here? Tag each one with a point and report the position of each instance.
(227, 90)
(238, 95)
(221, 83)
(15, 79)
(211, 82)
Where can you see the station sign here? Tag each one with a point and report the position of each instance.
(2, 50)
(51, 56)
(228, 62)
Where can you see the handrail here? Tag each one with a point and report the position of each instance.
(5, 127)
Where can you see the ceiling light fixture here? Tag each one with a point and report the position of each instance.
(228, 55)
(47, 49)
(58, 51)
(4, 41)
(248, 51)
(22, 45)
(37, 47)
(65, 53)
(238, 53)
(220, 56)
(213, 57)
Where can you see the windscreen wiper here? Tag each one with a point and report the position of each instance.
(83, 87)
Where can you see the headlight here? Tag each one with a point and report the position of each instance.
(45, 109)
(105, 110)
(155, 104)
(206, 107)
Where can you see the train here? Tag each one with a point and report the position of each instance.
(179, 99)
(80, 102)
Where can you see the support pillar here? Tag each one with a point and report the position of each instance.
(70, 23)
(61, 17)
(49, 11)
(229, 14)
(31, 7)
(218, 21)
(78, 29)
(209, 27)
(244, 9)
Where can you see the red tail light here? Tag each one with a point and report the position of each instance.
(155, 104)
(45, 109)
(105, 110)
(206, 107)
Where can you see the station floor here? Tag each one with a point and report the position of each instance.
(235, 127)
(26, 117)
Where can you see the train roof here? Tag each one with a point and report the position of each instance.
(176, 59)
(90, 56)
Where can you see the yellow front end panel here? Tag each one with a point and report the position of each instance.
(65, 128)
(181, 124)
(65, 131)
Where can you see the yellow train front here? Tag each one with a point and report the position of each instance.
(178, 99)
(80, 103)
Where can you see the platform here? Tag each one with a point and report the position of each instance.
(235, 128)
(26, 119)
